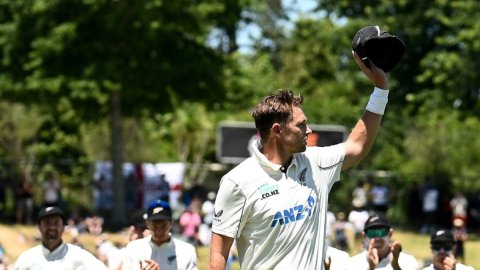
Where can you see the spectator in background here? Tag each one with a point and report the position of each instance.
(330, 227)
(460, 235)
(205, 229)
(94, 224)
(341, 228)
(360, 194)
(381, 252)
(208, 208)
(53, 253)
(429, 206)
(379, 198)
(4, 260)
(24, 197)
(357, 217)
(459, 206)
(442, 246)
(190, 221)
(414, 206)
(163, 189)
(51, 190)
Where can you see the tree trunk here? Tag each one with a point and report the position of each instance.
(118, 215)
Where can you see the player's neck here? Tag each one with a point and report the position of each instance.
(277, 154)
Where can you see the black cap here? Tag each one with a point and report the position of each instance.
(376, 221)
(137, 219)
(51, 211)
(159, 210)
(382, 48)
(441, 236)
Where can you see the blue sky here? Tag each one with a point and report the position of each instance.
(297, 9)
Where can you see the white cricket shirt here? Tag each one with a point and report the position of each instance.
(64, 257)
(339, 258)
(458, 266)
(173, 255)
(360, 262)
(279, 219)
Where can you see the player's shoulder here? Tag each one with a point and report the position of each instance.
(408, 260)
(30, 253)
(182, 245)
(248, 166)
(76, 250)
(460, 266)
(137, 244)
(407, 256)
(245, 173)
(358, 258)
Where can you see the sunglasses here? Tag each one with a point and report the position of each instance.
(374, 233)
(442, 247)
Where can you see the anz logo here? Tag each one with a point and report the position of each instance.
(294, 214)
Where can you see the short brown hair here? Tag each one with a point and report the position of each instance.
(275, 108)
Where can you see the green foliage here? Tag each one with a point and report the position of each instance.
(176, 67)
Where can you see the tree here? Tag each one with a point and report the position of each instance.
(85, 60)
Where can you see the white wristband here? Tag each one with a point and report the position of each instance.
(378, 101)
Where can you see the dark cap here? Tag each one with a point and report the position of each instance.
(138, 220)
(441, 236)
(376, 221)
(159, 210)
(50, 211)
(382, 48)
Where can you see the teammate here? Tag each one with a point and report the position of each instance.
(53, 253)
(336, 259)
(275, 202)
(443, 247)
(159, 250)
(381, 252)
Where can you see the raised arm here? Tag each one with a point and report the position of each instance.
(363, 135)
(219, 250)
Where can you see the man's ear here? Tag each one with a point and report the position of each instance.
(276, 129)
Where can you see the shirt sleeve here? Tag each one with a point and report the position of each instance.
(192, 265)
(407, 261)
(20, 263)
(229, 209)
(329, 160)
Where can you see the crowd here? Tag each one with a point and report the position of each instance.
(362, 231)
(151, 245)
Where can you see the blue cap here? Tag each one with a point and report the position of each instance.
(159, 210)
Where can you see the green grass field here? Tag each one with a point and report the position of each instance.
(18, 238)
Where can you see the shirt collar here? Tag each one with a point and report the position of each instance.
(54, 253)
(152, 244)
(256, 146)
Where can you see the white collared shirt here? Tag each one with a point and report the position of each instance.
(279, 219)
(64, 257)
(458, 266)
(172, 255)
(360, 262)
